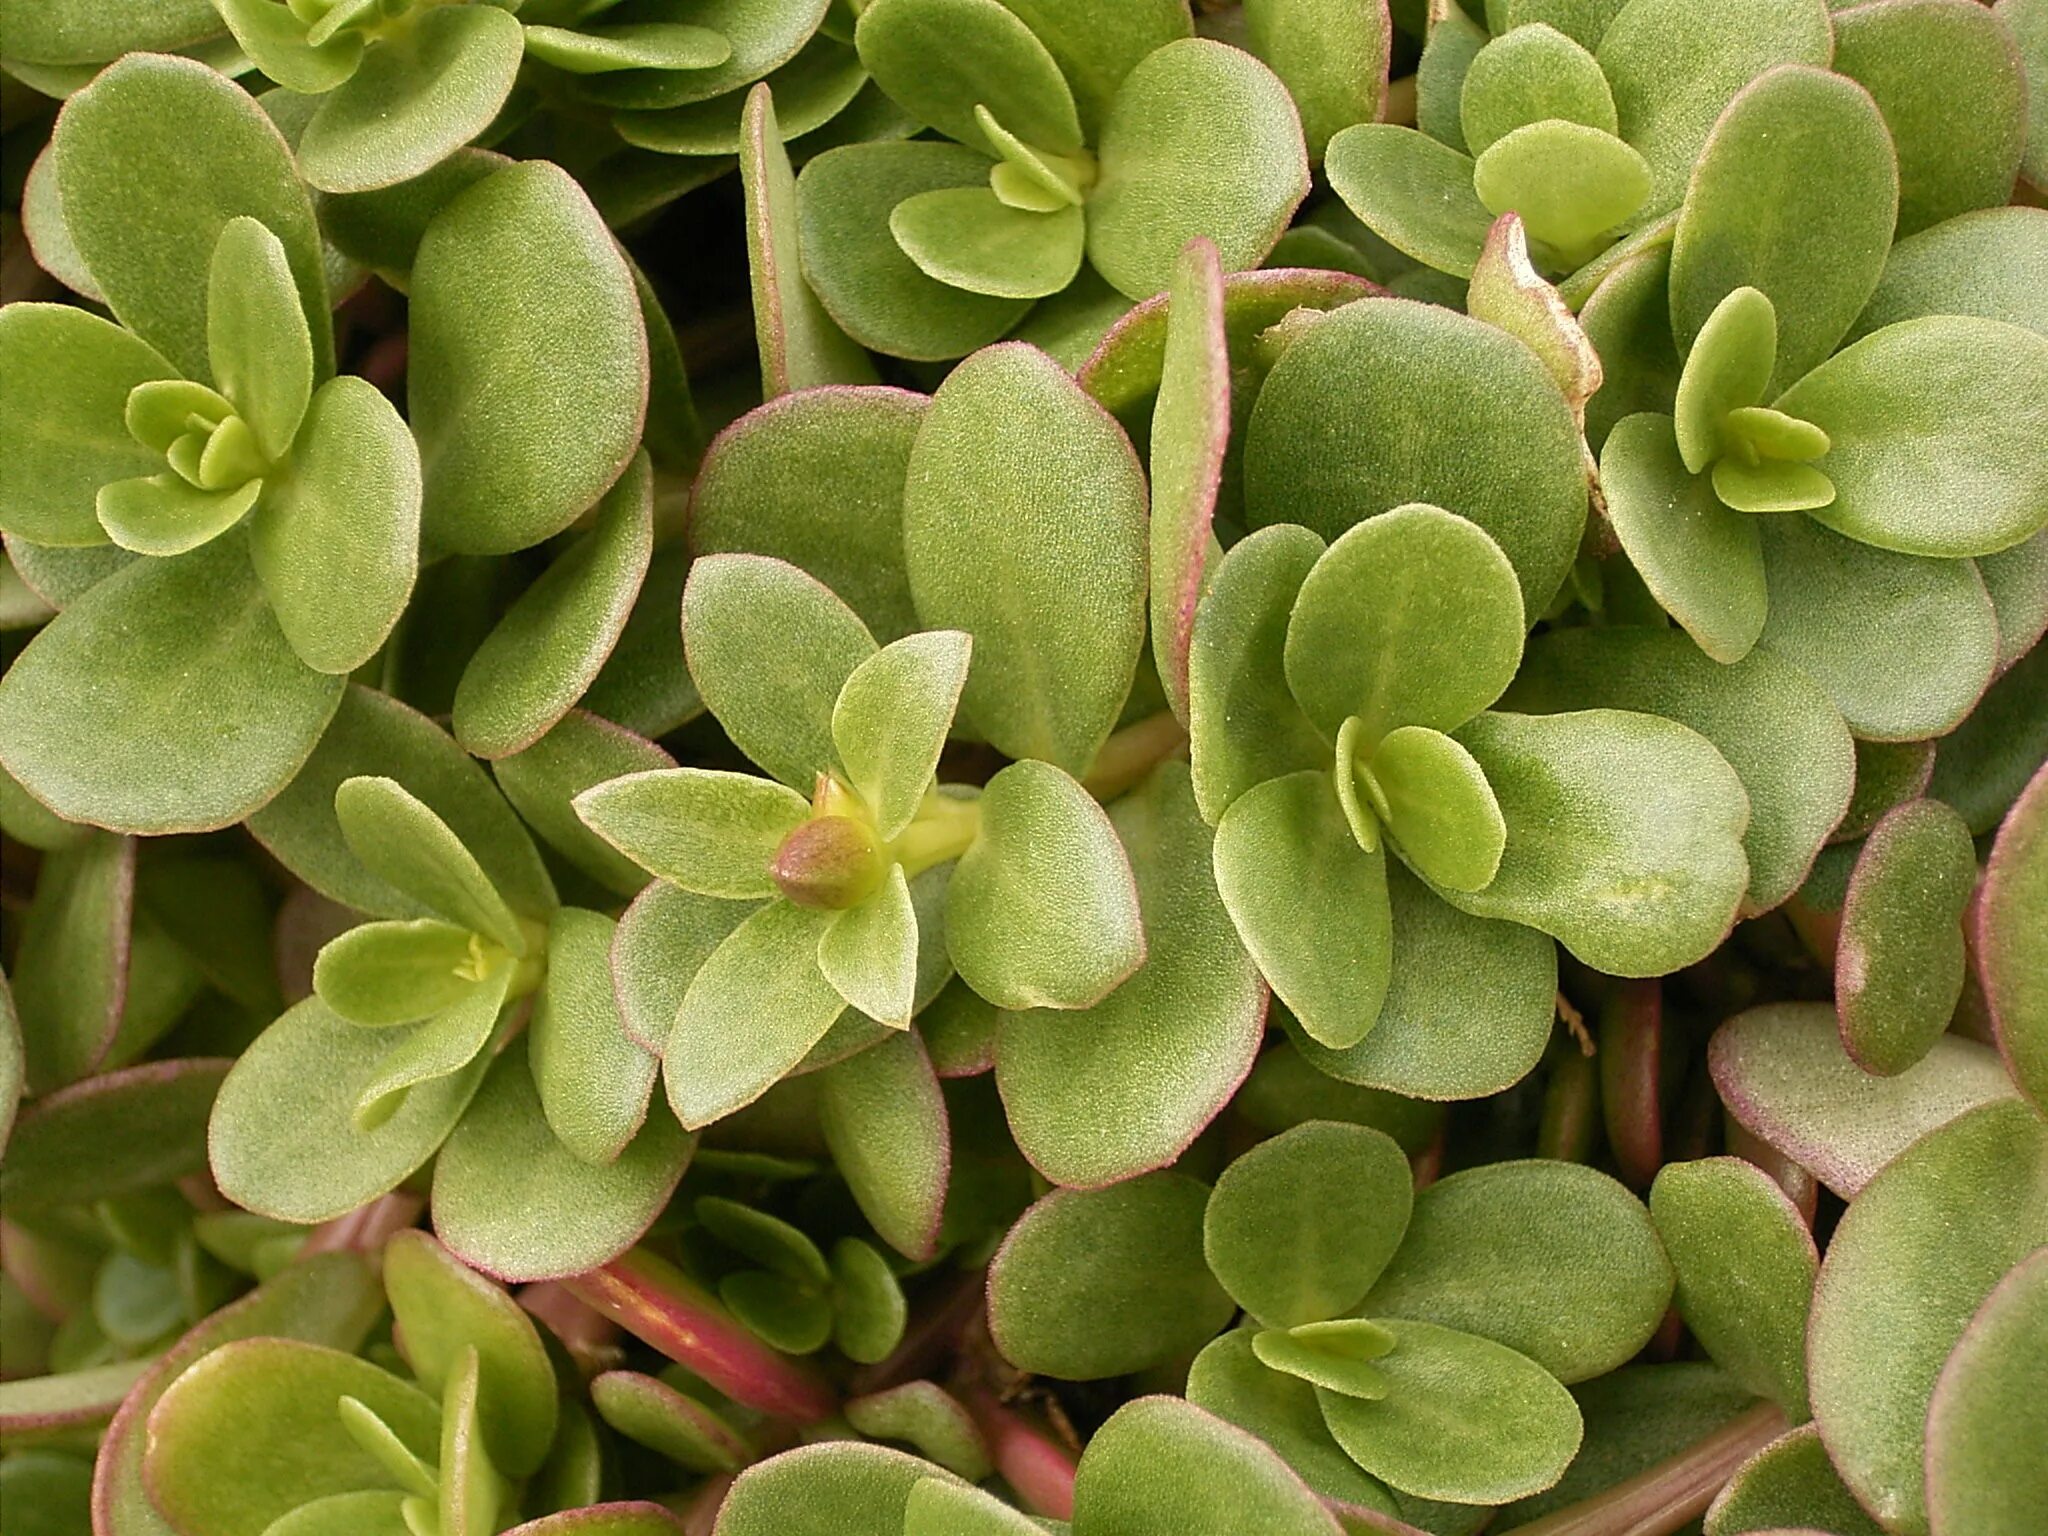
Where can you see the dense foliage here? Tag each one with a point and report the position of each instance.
(963, 767)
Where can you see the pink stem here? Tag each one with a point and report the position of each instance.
(1038, 1467)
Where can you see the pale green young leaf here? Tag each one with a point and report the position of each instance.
(1042, 911)
(544, 780)
(165, 515)
(177, 671)
(395, 972)
(1772, 486)
(770, 649)
(1729, 367)
(966, 237)
(1201, 140)
(1525, 75)
(401, 840)
(869, 953)
(704, 829)
(1436, 804)
(594, 1080)
(415, 99)
(335, 540)
(551, 643)
(1335, 1356)
(1410, 618)
(1464, 1419)
(1299, 1228)
(891, 719)
(757, 1004)
(278, 43)
(1024, 526)
(1575, 187)
(64, 439)
(665, 935)
(1308, 903)
(435, 1048)
(257, 343)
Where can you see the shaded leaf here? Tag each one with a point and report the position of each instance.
(1899, 963)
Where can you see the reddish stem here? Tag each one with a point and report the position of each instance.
(659, 1304)
(367, 1228)
(1037, 1466)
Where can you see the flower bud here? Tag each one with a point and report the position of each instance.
(829, 861)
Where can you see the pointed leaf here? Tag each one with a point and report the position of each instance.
(891, 719)
(703, 829)
(435, 1048)
(593, 1079)
(869, 953)
(257, 343)
(550, 645)
(395, 972)
(885, 1121)
(400, 840)
(770, 648)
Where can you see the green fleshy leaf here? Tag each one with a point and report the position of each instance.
(1799, 151)
(925, 1415)
(1055, 603)
(593, 1079)
(1465, 1419)
(1095, 1283)
(1728, 368)
(1375, 633)
(1308, 903)
(435, 1048)
(1950, 84)
(112, 1135)
(550, 645)
(1783, 1073)
(1888, 773)
(1674, 65)
(1992, 263)
(283, 1141)
(750, 1013)
(176, 670)
(512, 1200)
(1042, 911)
(257, 343)
(739, 613)
(2011, 956)
(885, 1122)
(1574, 186)
(1552, 1259)
(1899, 962)
(120, 172)
(67, 34)
(1791, 1479)
(1526, 75)
(1126, 1085)
(869, 953)
(1413, 192)
(543, 781)
(210, 1468)
(1746, 1264)
(65, 438)
(1634, 887)
(414, 100)
(814, 91)
(1984, 764)
(1228, 1381)
(1388, 402)
(1438, 807)
(954, 1509)
(1096, 58)
(816, 478)
(967, 238)
(335, 542)
(444, 1312)
(940, 59)
(395, 972)
(164, 515)
(659, 1417)
(1985, 1416)
(1201, 140)
(1300, 1227)
(512, 264)
(869, 1313)
(664, 938)
(382, 229)
(703, 829)
(1968, 391)
(1829, 595)
(1246, 726)
(1331, 55)
(400, 839)
(1773, 725)
(870, 288)
(836, 1488)
(628, 45)
(1912, 1259)
(1163, 1467)
(891, 719)
(278, 43)
(1334, 1356)
(374, 734)
(71, 971)
(1468, 1010)
(1452, 40)
(800, 347)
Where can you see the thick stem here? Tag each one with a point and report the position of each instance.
(1664, 1498)
(659, 1304)
(1037, 1466)
(1133, 752)
(943, 829)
